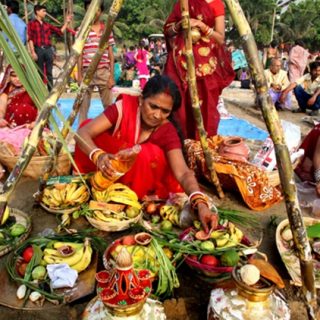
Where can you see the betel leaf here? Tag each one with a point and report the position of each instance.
(313, 231)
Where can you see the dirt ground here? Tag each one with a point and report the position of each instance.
(191, 299)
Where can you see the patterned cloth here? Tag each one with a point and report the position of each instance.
(91, 47)
(308, 85)
(251, 181)
(40, 34)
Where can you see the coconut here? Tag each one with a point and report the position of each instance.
(250, 274)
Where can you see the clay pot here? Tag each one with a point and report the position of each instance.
(234, 148)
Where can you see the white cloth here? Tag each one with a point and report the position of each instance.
(62, 276)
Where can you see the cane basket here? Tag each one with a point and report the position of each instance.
(37, 165)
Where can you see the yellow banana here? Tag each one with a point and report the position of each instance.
(86, 258)
(70, 189)
(53, 256)
(78, 193)
(55, 194)
(119, 199)
(46, 201)
(83, 198)
(73, 245)
(102, 217)
(99, 195)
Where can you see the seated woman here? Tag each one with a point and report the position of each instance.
(160, 167)
(309, 167)
(16, 106)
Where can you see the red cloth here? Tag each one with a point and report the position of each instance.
(40, 34)
(151, 173)
(213, 68)
(20, 107)
(305, 169)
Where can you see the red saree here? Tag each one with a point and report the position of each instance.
(20, 107)
(213, 67)
(305, 169)
(151, 173)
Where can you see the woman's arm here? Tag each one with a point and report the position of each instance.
(187, 180)
(87, 133)
(3, 109)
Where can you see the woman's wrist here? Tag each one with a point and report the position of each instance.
(198, 198)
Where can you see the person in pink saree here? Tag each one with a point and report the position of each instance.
(298, 60)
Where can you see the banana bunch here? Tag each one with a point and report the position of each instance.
(64, 195)
(79, 260)
(118, 193)
(108, 216)
(170, 213)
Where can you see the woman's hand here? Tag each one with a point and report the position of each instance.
(195, 23)
(3, 123)
(104, 164)
(208, 218)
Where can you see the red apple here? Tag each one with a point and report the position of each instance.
(210, 260)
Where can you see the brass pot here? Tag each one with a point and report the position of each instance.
(249, 292)
(125, 310)
(195, 34)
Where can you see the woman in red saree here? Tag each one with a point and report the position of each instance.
(309, 167)
(212, 61)
(16, 106)
(160, 167)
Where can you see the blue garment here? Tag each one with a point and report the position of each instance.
(20, 27)
(303, 97)
(238, 59)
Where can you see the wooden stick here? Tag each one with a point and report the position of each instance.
(192, 82)
(48, 105)
(103, 44)
(282, 154)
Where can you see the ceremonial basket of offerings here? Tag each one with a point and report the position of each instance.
(64, 197)
(114, 209)
(218, 252)
(10, 153)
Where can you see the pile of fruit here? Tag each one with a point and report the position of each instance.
(28, 266)
(220, 248)
(65, 195)
(117, 203)
(148, 254)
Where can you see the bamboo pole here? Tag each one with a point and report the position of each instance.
(192, 82)
(48, 105)
(103, 44)
(282, 154)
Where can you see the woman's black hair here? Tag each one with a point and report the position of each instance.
(273, 43)
(163, 84)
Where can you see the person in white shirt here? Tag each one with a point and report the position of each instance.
(277, 80)
(306, 90)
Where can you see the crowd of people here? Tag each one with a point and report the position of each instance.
(159, 68)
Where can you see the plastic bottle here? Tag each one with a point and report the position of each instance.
(121, 164)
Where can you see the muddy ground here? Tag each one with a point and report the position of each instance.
(191, 299)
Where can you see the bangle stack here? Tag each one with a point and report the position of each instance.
(317, 175)
(94, 155)
(197, 197)
(209, 32)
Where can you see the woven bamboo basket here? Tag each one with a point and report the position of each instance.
(117, 225)
(37, 165)
(273, 176)
(23, 219)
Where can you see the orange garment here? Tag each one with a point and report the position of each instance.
(251, 181)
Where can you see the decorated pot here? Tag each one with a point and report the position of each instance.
(234, 148)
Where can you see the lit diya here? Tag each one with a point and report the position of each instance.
(122, 290)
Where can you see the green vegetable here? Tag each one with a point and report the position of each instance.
(313, 231)
(230, 258)
(155, 219)
(166, 225)
(207, 246)
(17, 230)
(39, 273)
(197, 224)
(240, 218)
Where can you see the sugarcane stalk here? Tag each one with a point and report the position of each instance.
(282, 155)
(103, 44)
(192, 82)
(47, 107)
